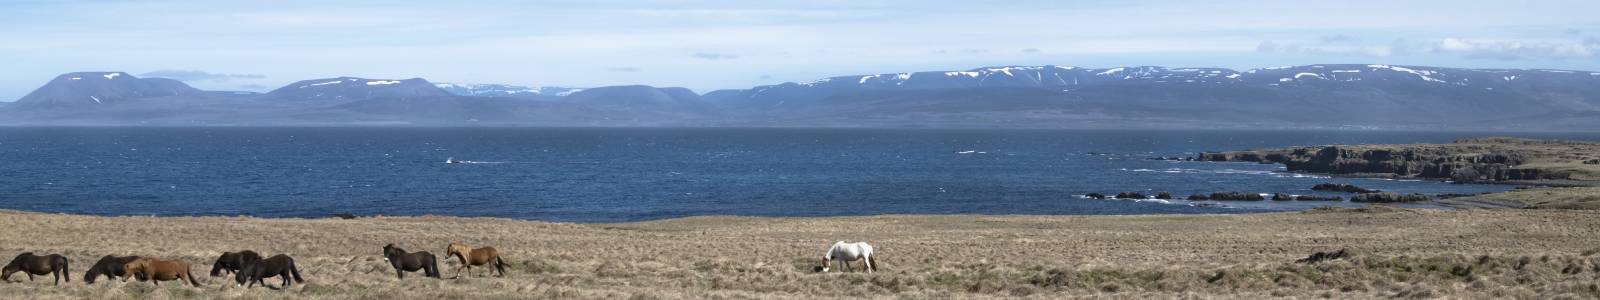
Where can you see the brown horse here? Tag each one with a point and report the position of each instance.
(37, 265)
(475, 257)
(159, 270)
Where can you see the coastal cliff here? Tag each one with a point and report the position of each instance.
(1495, 159)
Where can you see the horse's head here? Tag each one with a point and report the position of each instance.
(823, 267)
(5, 275)
(239, 278)
(390, 251)
(455, 249)
(216, 267)
(135, 266)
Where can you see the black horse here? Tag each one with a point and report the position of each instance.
(37, 265)
(233, 261)
(278, 265)
(110, 267)
(410, 262)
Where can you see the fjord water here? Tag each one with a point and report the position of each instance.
(626, 174)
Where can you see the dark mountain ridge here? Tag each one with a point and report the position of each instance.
(1310, 96)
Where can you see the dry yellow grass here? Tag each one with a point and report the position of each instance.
(1548, 197)
(1399, 253)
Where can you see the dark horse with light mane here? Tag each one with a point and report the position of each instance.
(233, 261)
(410, 262)
(110, 267)
(37, 265)
(257, 271)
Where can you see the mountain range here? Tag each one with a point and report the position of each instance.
(1310, 96)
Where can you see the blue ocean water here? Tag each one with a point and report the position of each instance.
(627, 174)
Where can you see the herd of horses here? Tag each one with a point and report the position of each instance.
(249, 268)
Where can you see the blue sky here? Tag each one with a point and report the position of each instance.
(706, 45)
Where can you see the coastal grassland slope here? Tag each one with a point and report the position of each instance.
(1397, 253)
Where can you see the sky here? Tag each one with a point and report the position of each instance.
(708, 45)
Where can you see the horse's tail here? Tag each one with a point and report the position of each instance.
(432, 268)
(188, 272)
(296, 272)
(872, 262)
(500, 264)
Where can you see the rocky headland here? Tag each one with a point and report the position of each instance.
(1494, 159)
(1550, 163)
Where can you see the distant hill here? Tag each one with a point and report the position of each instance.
(503, 90)
(641, 100)
(347, 89)
(1301, 96)
(1311, 96)
(100, 88)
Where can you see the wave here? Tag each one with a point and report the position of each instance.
(1229, 171)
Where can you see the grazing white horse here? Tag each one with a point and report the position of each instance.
(845, 253)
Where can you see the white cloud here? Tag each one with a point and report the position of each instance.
(1511, 49)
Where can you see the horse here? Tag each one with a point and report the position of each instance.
(109, 266)
(476, 257)
(278, 265)
(845, 253)
(159, 270)
(233, 261)
(410, 262)
(30, 264)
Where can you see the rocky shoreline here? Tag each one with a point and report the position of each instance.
(1548, 163)
(1480, 160)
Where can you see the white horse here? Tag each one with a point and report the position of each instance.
(845, 253)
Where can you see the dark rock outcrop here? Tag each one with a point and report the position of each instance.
(1281, 197)
(1324, 256)
(1164, 196)
(1317, 198)
(1390, 198)
(1236, 196)
(1348, 188)
(1469, 160)
(1199, 197)
(1095, 196)
(1131, 195)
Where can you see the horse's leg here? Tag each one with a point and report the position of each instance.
(400, 273)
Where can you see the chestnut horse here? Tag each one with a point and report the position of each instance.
(410, 262)
(37, 265)
(159, 270)
(476, 257)
(109, 266)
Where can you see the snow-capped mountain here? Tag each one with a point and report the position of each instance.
(504, 90)
(345, 89)
(101, 88)
(1068, 78)
(1311, 96)
(642, 99)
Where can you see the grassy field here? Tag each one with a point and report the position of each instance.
(1550, 197)
(1529, 254)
